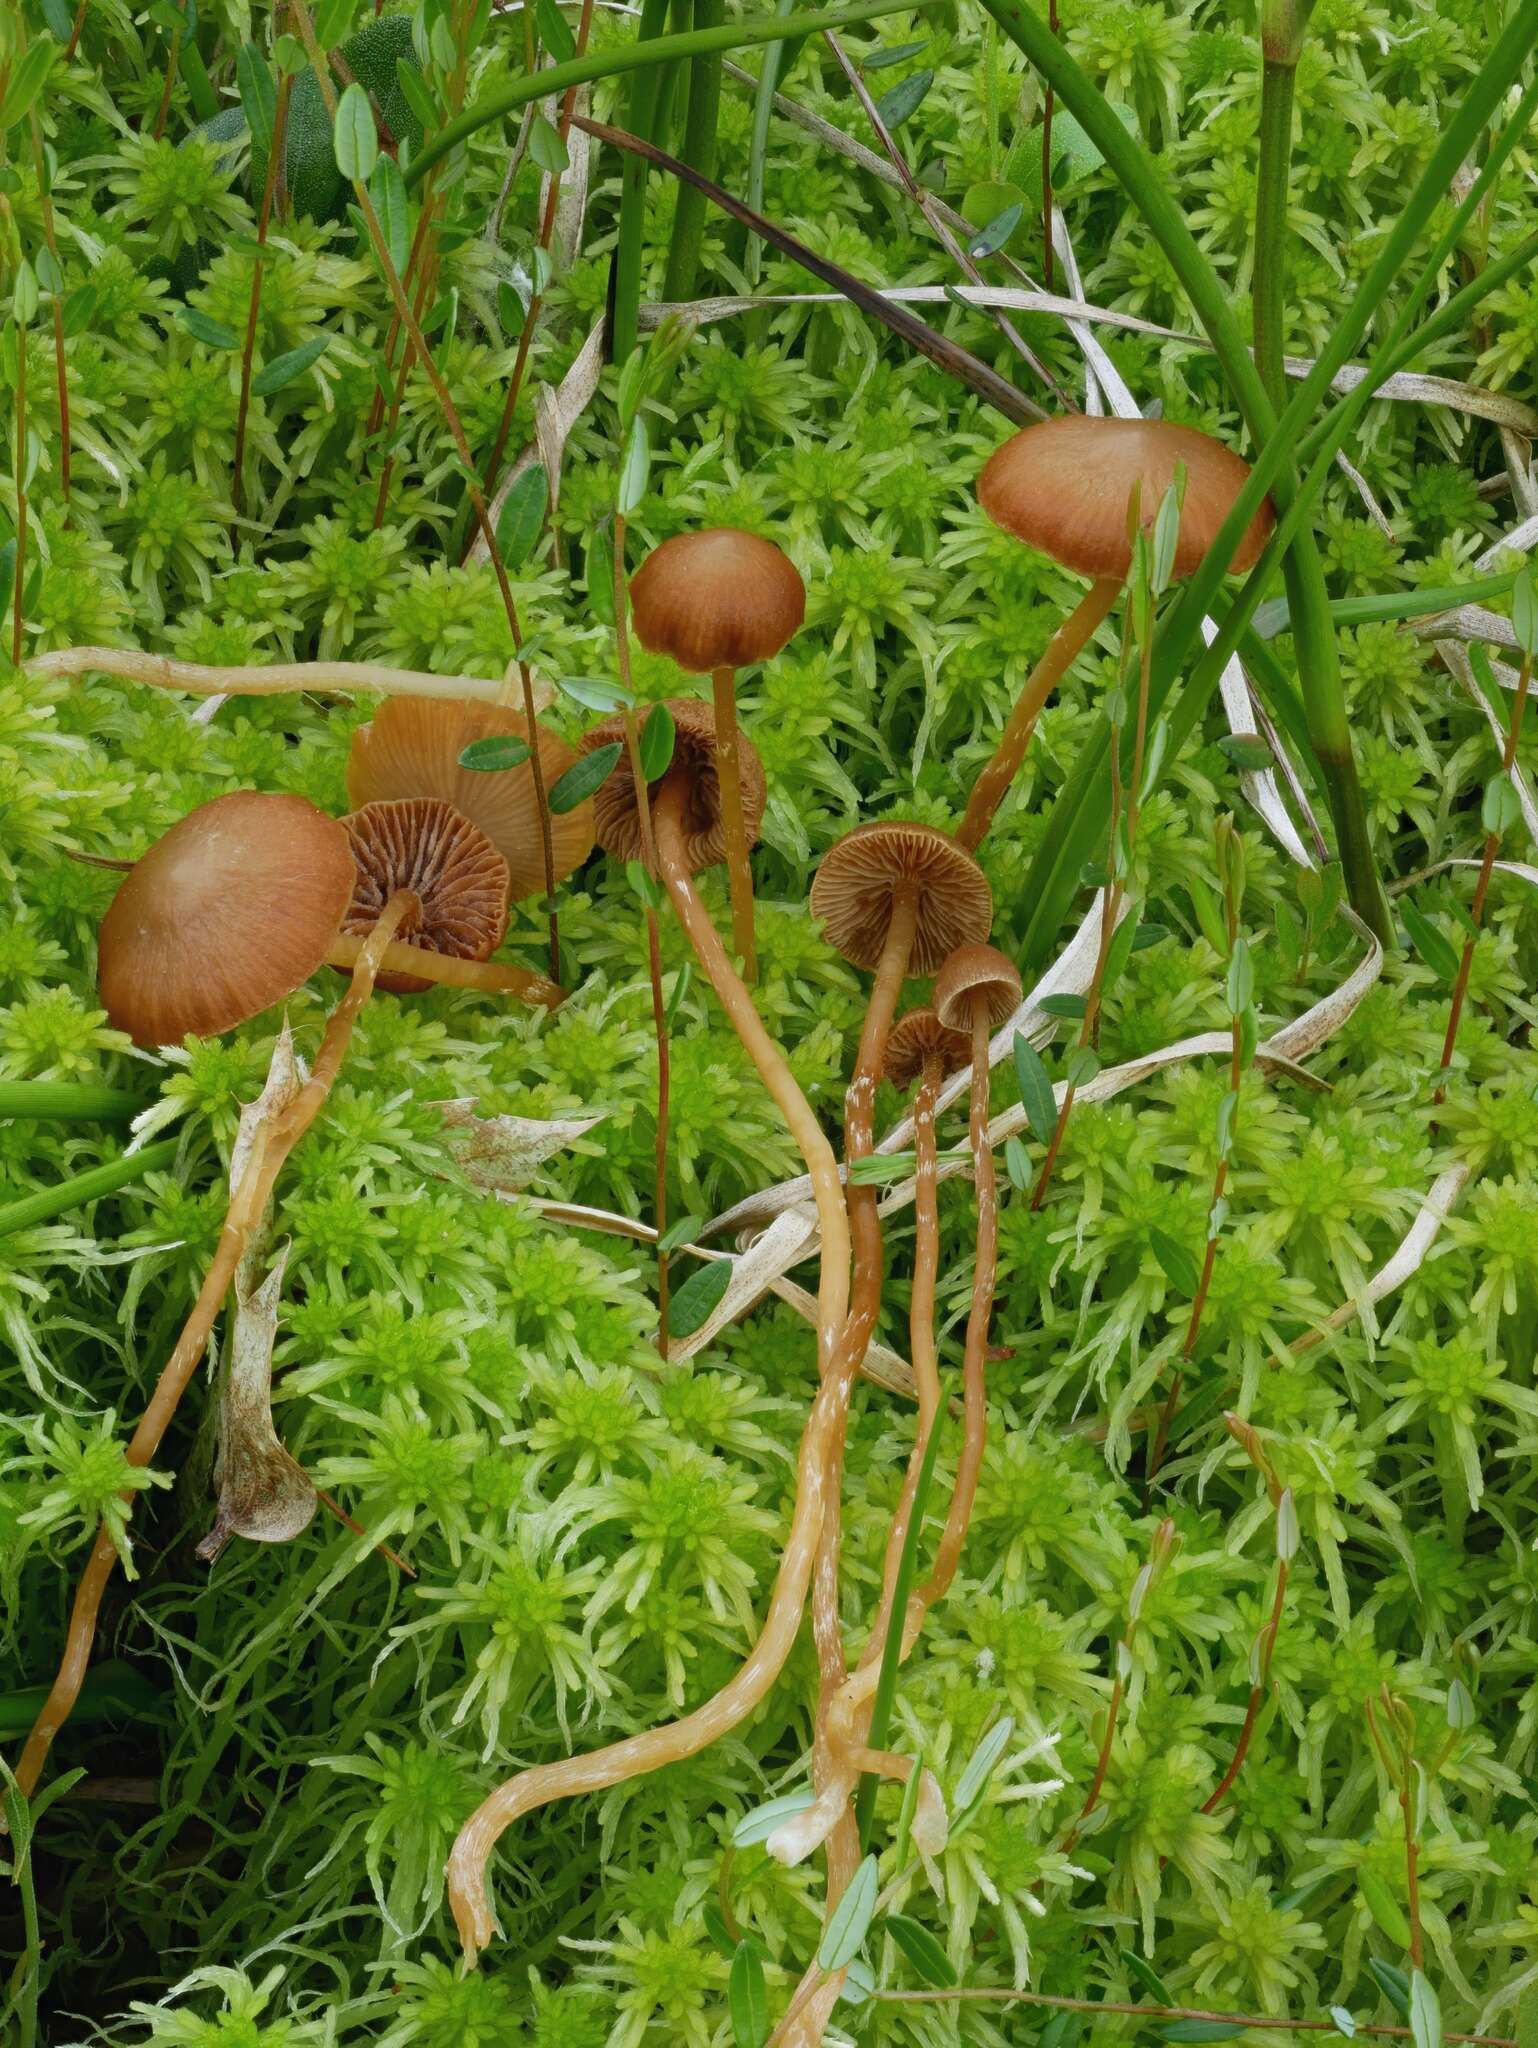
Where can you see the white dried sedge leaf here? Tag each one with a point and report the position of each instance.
(285, 1078)
(572, 398)
(265, 1494)
(1461, 667)
(1522, 869)
(1408, 1256)
(503, 1153)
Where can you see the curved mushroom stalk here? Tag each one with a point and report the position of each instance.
(650, 1751)
(1066, 487)
(248, 1202)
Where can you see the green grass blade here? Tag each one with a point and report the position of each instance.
(85, 1187)
(68, 1102)
(734, 35)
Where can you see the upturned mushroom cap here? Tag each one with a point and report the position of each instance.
(411, 748)
(227, 914)
(973, 971)
(913, 1038)
(456, 874)
(617, 817)
(717, 599)
(852, 893)
(1064, 486)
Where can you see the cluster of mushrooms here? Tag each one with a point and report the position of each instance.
(247, 897)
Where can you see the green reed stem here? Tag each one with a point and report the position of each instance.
(700, 149)
(639, 56)
(640, 114)
(770, 73)
(68, 1102)
(85, 1187)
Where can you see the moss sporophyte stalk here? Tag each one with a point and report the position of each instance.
(767, 1265)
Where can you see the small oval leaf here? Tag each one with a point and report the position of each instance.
(693, 1304)
(582, 778)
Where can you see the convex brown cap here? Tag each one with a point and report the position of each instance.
(913, 1038)
(412, 748)
(717, 599)
(227, 914)
(976, 971)
(1064, 486)
(852, 893)
(615, 812)
(456, 874)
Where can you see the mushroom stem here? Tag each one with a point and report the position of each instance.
(248, 1202)
(864, 1308)
(1062, 651)
(975, 1355)
(739, 873)
(843, 1733)
(742, 1693)
(489, 977)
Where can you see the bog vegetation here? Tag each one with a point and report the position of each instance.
(768, 1136)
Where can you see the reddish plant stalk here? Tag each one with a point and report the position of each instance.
(74, 35)
(1482, 886)
(254, 304)
(536, 301)
(50, 242)
(173, 59)
(1257, 1693)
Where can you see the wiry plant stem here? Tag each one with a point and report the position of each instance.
(254, 305)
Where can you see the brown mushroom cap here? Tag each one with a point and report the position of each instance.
(717, 599)
(224, 916)
(617, 818)
(852, 893)
(412, 748)
(457, 875)
(1064, 486)
(976, 971)
(913, 1038)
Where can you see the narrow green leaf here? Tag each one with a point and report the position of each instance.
(285, 369)
(635, 470)
(1433, 947)
(1394, 1985)
(683, 982)
(387, 189)
(597, 693)
(904, 99)
(258, 96)
(26, 82)
(883, 60)
(692, 1305)
(333, 18)
(715, 1926)
(1527, 2019)
(58, 18)
(1384, 1907)
(522, 518)
(583, 777)
(495, 753)
(748, 1997)
(760, 1822)
(1241, 978)
(680, 1233)
(1179, 1266)
(355, 140)
(546, 147)
(997, 232)
(212, 333)
(657, 739)
(1144, 1974)
(1501, 810)
(846, 1930)
(923, 1949)
(1036, 1097)
(1247, 750)
(973, 1782)
(1425, 2011)
(553, 32)
(1071, 1008)
(1524, 610)
(1200, 2030)
(1017, 1164)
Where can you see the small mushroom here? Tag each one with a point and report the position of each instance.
(976, 989)
(1064, 486)
(228, 913)
(717, 601)
(412, 748)
(457, 876)
(236, 907)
